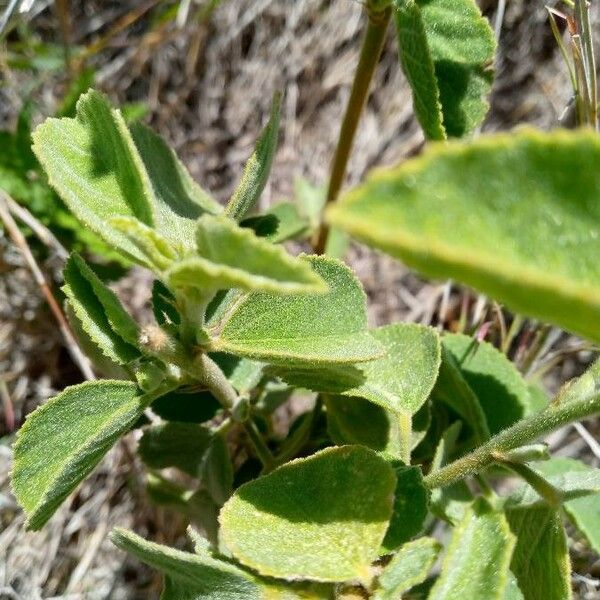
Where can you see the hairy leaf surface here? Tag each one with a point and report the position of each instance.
(303, 328)
(407, 568)
(230, 256)
(478, 557)
(101, 315)
(529, 236)
(498, 385)
(400, 381)
(94, 166)
(541, 559)
(321, 518)
(63, 440)
(446, 50)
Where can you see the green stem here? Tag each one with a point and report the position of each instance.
(369, 57)
(553, 417)
(260, 447)
(544, 488)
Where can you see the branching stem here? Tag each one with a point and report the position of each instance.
(555, 416)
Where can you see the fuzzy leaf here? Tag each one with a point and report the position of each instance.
(63, 440)
(258, 167)
(352, 420)
(478, 557)
(541, 559)
(528, 236)
(446, 49)
(178, 199)
(304, 328)
(321, 518)
(407, 568)
(94, 166)
(452, 388)
(580, 486)
(400, 381)
(498, 385)
(233, 257)
(180, 445)
(158, 252)
(573, 483)
(100, 313)
(291, 225)
(190, 576)
(411, 503)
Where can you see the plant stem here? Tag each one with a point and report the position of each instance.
(369, 57)
(260, 446)
(553, 417)
(544, 488)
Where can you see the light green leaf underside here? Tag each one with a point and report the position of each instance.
(100, 314)
(478, 557)
(178, 199)
(446, 50)
(321, 518)
(232, 257)
(541, 559)
(304, 328)
(92, 163)
(190, 576)
(407, 568)
(256, 171)
(574, 478)
(157, 251)
(571, 477)
(498, 385)
(528, 236)
(400, 381)
(63, 440)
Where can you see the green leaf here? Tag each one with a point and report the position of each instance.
(100, 313)
(178, 199)
(256, 171)
(580, 486)
(478, 557)
(243, 374)
(452, 388)
(321, 518)
(541, 559)
(180, 445)
(352, 420)
(157, 251)
(164, 305)
(446, 50)
(233, 257)
(498, 385)
(400, 381)
(411, 503)
(92, 162)
(571, 477)
(216, 470)
(512, 591)
(407, 568)
(304, 328)
(190, 576)
(528, 236)
(188, 406)
(291, 224)
(451, 502)
(63, 440)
